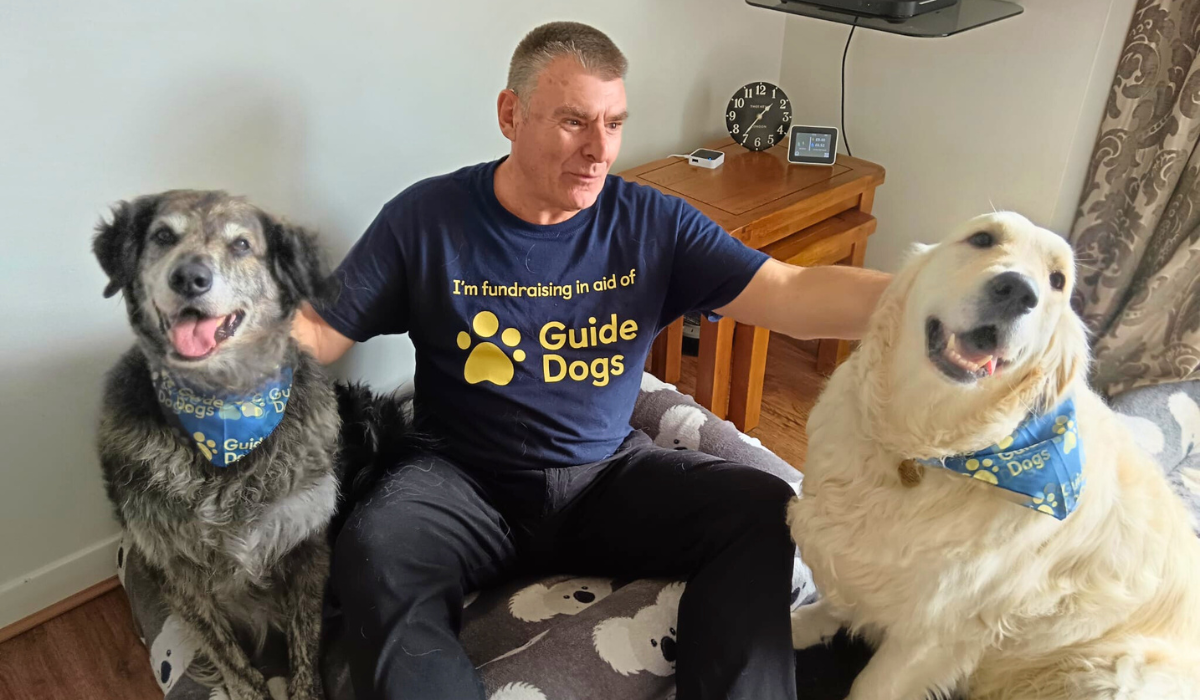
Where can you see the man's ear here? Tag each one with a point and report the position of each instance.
(508, 112)
(118, 244)
(294, 259)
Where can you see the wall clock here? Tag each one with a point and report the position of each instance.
(758, 116)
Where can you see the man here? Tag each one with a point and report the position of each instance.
(532, 288)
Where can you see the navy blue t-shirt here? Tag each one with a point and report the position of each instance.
(530, 340)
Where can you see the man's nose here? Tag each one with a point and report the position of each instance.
(600, 144)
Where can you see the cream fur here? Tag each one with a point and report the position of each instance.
(961, 588)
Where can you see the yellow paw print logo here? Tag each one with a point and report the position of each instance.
(251, 410)
(1066, 427)
(487, 362)
(985, 470)
(207, 447)
(1048, 501)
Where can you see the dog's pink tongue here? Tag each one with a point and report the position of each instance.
(991, 366)
(195, 337)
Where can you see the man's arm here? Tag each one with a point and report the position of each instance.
(317, 337)
(809, 302)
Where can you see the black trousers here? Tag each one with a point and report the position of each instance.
(433, 531)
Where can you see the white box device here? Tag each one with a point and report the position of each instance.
(704, 158)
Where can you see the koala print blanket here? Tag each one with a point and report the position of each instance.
(545, 638)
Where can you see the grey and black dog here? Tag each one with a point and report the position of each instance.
(210, 284)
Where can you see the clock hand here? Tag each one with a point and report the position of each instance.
(756, 120)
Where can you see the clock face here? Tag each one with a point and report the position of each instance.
(758, 116)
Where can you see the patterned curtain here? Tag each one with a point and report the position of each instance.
(1137, 231)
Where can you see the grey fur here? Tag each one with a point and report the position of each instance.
(240, 549)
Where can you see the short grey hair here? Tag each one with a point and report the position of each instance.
(590, 46)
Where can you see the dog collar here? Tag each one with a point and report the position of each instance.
(223, 427)
(1041, 463)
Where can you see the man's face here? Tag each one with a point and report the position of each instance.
(569, 136)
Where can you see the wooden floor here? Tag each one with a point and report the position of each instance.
(93, 652)
(89, 653)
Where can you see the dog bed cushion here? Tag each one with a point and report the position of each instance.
(527, 643)
(1165, 421)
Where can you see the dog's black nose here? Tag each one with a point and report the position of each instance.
(1011, 294)
(667, 645)
(585, 597)
(191, 279)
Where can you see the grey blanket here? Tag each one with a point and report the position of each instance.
(1165, 421)
(530, 639)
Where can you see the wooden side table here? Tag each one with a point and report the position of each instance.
(800, 214)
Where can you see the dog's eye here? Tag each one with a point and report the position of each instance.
(240, 245)
(164, 236)
(983, 239)
(1058, 280)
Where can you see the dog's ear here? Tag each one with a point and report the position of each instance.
(295, 261)
(1067, 359)
(889, 311)
(117, 244)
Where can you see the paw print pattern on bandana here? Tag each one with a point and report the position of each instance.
(250, 410)
(487, 362)
(985, 470)
(1066, 427)
(235, 411)
(207, 447)
(1048, 501)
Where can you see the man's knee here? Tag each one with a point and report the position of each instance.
(398, 544)
(757, 509)
(761, 493)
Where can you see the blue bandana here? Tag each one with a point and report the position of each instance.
(223, 428)
(1041, 463)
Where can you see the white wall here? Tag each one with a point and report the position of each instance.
(319, 111)
(1004, 115)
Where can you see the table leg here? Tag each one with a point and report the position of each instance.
(749, 368)
(666, 354)
(712, 375)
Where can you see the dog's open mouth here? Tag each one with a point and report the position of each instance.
(195, 336)
(964, 357)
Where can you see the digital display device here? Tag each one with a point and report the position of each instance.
(812, 145)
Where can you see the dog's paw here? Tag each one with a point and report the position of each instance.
(306, 688)
(251, 687)
(278, 688)
(813, 625)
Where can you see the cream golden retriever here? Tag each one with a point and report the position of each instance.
(962, 589)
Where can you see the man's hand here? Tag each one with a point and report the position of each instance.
(318, 337)
(809, 303)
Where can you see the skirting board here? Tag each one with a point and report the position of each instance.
(63, 606)
(50, 588)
